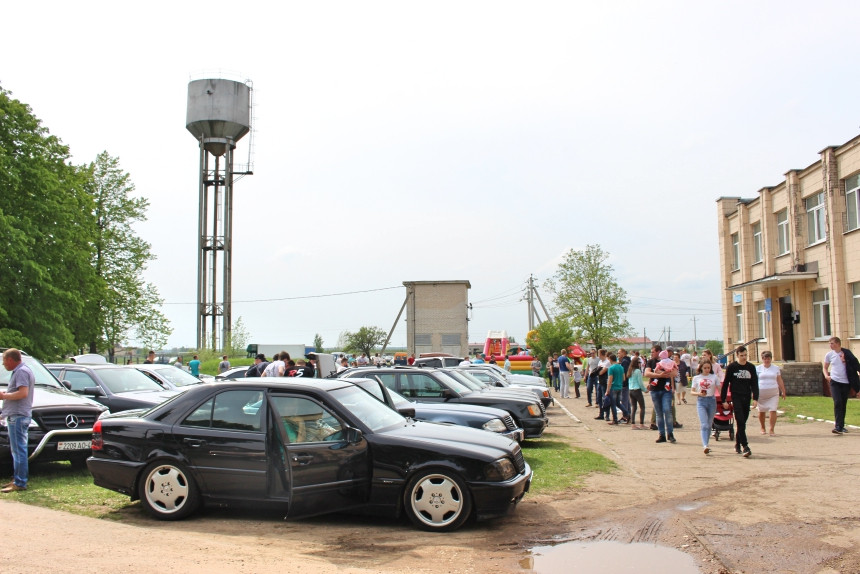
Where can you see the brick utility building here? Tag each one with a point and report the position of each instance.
(790, 260)
(436, 317)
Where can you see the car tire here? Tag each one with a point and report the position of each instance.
(78, 462)
(167, 491)
(437, 500)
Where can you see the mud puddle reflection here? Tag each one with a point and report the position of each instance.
(608, 558)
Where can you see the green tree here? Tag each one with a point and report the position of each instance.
(46, 232)
(365, 340)
(716, 347)
(550, 337)
(587, 295)
(125, 303)
(318, 343)
(239, 338)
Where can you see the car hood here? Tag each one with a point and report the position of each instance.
(459, 408)
(60, 397)
(444, 438)
(149, 396)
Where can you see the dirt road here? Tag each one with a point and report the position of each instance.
(789, 508)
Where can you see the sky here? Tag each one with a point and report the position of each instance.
(412, 141)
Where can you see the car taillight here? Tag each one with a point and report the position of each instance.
(98, 443)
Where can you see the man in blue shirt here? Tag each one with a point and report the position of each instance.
(194, 365)
(564, 374)
(18, 410)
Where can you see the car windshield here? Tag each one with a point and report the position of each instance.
(43, 376)
(177, 376)
(367, 409)
(124, 380)
(454, 383)
(464, 378)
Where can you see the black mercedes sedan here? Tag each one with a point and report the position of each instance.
(314, 448)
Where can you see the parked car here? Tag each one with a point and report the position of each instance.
(485, 380)
(310, 447)
(62, 421)
(117, 388)
(230, 374)
(434, 386)
(437, 361)
(485, 418)
(168, 376)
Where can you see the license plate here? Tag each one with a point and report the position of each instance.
(75, 445)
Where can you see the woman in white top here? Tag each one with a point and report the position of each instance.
(770, 389)
(705, 385)
(707, 355)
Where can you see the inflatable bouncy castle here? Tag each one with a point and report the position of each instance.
(497, 346)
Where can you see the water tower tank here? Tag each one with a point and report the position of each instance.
(219, 113)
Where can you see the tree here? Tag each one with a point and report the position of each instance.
(550, 337)
(716, 347)
(125, 302)
(318, 343)
(587, 295)
(46, 231)
(364, 340)
(239, 338)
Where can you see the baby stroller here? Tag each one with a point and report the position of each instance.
(724, 419)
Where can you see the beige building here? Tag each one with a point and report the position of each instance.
(437, 317)
(790, 260)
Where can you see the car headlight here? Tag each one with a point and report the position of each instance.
(495, 425)
(500, 470)
(534, 410)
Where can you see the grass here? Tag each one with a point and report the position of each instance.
(58, 486)
(818, 407)
(558, 466)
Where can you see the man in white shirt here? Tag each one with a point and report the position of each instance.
(836, 365)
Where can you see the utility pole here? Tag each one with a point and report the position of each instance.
(695, 337)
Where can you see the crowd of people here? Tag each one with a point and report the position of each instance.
(617, 383)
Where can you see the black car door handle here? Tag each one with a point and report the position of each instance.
(302, 458)
(194, 442)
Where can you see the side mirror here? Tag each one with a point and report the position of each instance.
(448, 394)
(408, 412)
(66, 384)
(354, 435)
(94, 392)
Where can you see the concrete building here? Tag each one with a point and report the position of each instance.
(790, 260)
(437, 317)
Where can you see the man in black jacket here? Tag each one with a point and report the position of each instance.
(742, 379)
(260, 364)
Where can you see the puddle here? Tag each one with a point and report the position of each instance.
(608, 558)
(691, 506)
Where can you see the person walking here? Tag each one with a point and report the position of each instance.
(705, 385)
(18, 412)
(577, 379)
(536, 366)
(770, 389)
(556, 380)
(564, 374)
(662, 395)
(637, 394)
(602, 378)
(591, 376)
(224, 365)
(742, 380)
(614, 384)
(194, 366)
(840, 367)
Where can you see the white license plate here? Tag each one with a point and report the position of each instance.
(75, 445)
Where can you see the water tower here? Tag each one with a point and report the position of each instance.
(219, 115)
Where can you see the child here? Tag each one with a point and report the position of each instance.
(665, 364)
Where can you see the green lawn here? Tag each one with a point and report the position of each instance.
(558, 466)
(818, 407)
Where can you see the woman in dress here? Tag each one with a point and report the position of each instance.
(705, 386)
(770, 389)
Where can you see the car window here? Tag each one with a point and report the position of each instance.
(453, 383)
(420, 385)
(305, 420)
(124, 380)
(177, 376)
(43, 376)
(79, 380)
(367, 409)
(228, 410)
(461, 377)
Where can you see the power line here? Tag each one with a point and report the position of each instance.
(303, 296)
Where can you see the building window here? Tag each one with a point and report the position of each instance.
(815, 218)
(820, 313)
(761, 314)
(424, 339)
(852, 201)
(736, 252)
(757, 251)
(739, 319)
(782, 232)
(856, 299)
(450, 339)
